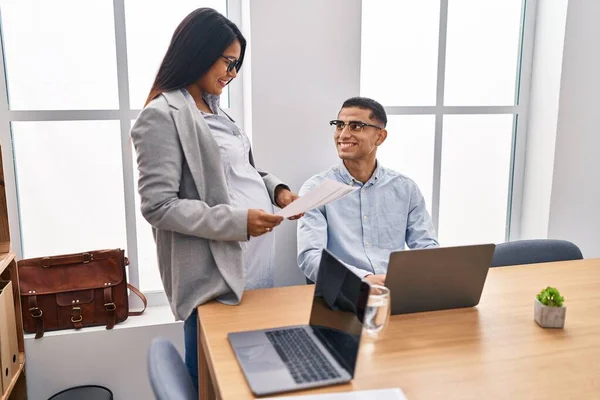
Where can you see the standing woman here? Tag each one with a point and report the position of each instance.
(210, 209)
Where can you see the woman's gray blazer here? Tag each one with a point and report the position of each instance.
(184, 197)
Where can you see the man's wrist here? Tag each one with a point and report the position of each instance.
(362, 274)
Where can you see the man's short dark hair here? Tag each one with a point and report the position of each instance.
(377, 110)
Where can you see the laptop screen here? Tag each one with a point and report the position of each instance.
(338, 309)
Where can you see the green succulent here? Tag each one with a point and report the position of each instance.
(550, 297)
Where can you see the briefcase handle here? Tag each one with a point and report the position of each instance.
(82, 258)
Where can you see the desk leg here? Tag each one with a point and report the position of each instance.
(206, 390)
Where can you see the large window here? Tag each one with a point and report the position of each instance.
(453, 76)
(77, 75)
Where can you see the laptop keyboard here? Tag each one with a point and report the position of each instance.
(301, 356)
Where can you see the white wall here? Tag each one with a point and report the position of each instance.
(305, 63)
(543, 117)
(575, 201)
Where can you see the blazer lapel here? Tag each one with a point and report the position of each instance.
(200, 150)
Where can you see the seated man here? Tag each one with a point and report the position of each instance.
(365, 226)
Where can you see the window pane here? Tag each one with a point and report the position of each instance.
(482, 52)
(476, 153)
(147, 260)
(399, 51)
(70, 180)
(408, 149)
(60, 55)
(150, 26)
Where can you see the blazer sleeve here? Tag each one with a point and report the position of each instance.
(160, 161)
(270, 180)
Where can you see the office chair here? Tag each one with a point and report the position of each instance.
(534, 251)
(87, 392)
(169, 377)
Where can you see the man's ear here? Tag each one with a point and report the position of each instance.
(382, 137)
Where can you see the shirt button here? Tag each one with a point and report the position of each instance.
(364, 217)
(367, 243)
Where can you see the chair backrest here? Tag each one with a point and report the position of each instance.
(534, 251)
(168, 374)
(88, 392)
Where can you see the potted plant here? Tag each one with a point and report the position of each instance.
(549, 311)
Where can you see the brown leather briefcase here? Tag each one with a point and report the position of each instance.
(74, 291)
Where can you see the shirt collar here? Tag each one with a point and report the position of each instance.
(349, 179)
(211, 99)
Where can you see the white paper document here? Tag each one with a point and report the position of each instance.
(325, 193)
(379, 394)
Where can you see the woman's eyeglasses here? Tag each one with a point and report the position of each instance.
(232, 63)
(354, 126)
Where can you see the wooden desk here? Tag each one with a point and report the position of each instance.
(492, 351)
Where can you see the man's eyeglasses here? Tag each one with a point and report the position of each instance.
(232, 63)
(354, 126)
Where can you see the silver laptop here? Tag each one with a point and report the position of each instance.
(321, 353)
(437, 278)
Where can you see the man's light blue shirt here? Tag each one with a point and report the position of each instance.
(365, 226)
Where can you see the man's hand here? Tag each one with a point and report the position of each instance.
(376, 279)
(260, 222)
(284, 197)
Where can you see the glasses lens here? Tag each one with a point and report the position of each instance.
(338, 125)
(231, 66)
(356, 126)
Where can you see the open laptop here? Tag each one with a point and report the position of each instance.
(321, 353)
(437, 278)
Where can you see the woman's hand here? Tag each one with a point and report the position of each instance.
(260, 222)
(283, 197)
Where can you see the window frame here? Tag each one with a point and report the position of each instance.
(520, 112)
(124, 114)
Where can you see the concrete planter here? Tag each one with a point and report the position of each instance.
(549, 317)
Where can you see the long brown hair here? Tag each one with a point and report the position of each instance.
(198, 42)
